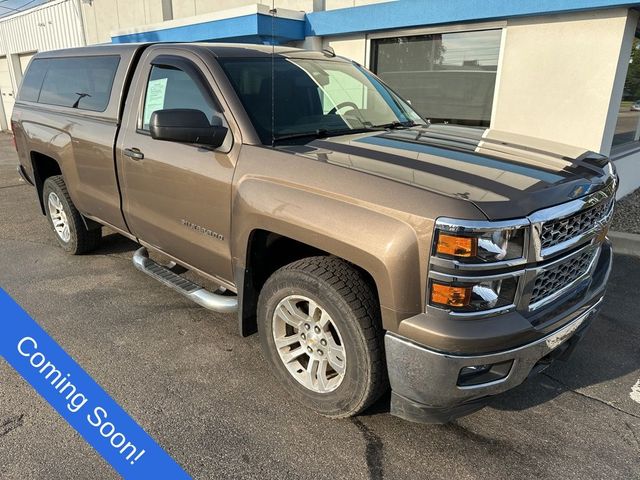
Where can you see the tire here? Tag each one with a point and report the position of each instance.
(348, 318)
(69, 229)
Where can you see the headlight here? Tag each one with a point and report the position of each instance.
(462, 251)
(473, 296)
(467, 244)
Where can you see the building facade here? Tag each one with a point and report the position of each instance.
(51, 26)
(562, 70)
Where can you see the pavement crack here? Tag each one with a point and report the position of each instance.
(13, 186)
(634, 435)
(373, 450)
(10, 424)
(595, 399)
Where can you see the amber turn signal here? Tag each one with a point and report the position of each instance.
(457, 246)
(451, 296)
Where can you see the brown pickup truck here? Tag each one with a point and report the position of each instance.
(368, 248)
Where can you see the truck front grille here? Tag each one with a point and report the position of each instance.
(555, 232)
(560, 276)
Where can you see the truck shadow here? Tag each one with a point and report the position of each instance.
(113, 243)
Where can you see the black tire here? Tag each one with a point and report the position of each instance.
(80, 239)
(342, 291)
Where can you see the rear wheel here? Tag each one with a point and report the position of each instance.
(65, 220)
(319, 326)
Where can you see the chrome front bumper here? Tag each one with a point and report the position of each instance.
(425, 383)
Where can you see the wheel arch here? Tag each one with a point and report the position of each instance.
(43, 167)
(384, 248)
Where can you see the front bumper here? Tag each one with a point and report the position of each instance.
(424, 383)
(427, 385)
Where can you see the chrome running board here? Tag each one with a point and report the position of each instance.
(191, 290)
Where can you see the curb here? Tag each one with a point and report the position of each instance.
(625, 243)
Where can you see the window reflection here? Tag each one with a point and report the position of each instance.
(447, 77)
(627, 126)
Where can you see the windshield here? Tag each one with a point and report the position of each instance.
(313, 97)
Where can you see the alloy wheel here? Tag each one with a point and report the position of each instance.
(309, 343)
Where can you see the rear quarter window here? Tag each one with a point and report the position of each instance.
(32, 82)
(84, 83)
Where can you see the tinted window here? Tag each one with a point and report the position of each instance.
(169, 87)
(32, 81)
(312, 95)
(79, 82)
(448, 77)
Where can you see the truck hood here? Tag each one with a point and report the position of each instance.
(505, 175)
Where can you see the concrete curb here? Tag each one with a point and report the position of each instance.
(625, 243)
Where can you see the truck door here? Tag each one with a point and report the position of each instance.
(176, 196)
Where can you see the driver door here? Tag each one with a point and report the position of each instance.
(176, 196)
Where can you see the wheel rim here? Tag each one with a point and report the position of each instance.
(309, 343)
(59, 217)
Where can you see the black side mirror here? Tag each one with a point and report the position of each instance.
(185, 125)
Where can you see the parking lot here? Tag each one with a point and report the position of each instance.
(205, 394)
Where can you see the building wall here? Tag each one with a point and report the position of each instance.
(560, 77)
(334, 4)
(103, 17)
(557, 77)
(51, 26)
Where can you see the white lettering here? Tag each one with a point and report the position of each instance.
(113, 442)
(97, 411)
(104, 427)
(74, 405)
(37, 363)
(25, 354)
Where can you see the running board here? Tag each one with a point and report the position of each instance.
(191, 290)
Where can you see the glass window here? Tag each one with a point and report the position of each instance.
(169, 87)
(79, 82)
(32, 82)
(447, 77)
(627, 125)
(313, 97)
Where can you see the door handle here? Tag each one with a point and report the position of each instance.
(133, 153)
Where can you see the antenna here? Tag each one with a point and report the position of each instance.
(273, 13)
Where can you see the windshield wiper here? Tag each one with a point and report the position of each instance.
(324, 133)
(396, 124)
(319, 133)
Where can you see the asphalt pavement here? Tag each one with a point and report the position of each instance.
(207, 397)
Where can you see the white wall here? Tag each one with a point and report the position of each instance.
(558, 77)
(353, 47)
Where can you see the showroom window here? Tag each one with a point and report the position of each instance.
(628, 125)
(447, 77)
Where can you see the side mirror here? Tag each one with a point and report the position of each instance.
(185, 125)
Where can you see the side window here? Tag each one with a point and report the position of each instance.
(32, 82)
(79, 82)
(170, 87)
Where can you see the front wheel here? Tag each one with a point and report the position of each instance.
(319, 326)
(65, 219)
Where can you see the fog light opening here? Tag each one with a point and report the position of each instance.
(473, 375)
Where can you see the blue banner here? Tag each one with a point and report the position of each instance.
(79, 399)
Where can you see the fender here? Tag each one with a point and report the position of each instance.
(388, 249)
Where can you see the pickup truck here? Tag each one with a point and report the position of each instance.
(369, 249)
